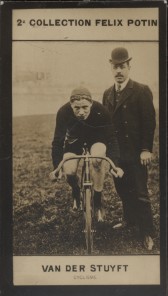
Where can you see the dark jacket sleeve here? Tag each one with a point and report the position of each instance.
(59, 137)
(113, 151)
(148, 122)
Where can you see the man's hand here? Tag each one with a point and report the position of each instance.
(145, 157)
(118, 172)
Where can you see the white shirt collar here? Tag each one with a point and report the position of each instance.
(123, 85)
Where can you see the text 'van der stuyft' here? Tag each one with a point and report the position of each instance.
(83, 268)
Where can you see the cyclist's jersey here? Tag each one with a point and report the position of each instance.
(71, 133)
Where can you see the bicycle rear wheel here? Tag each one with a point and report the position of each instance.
(88, 221)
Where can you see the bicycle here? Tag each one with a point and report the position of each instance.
(87, 203)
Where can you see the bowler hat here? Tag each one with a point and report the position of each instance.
(119, 55)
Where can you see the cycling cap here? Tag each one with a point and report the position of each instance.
(80, 93)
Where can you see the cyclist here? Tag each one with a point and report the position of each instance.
(83, 120)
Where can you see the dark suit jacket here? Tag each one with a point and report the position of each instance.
(133, 119)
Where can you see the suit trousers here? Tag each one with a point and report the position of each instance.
(133, 191)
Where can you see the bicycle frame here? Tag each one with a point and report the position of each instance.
(86, 191)
(87, 201)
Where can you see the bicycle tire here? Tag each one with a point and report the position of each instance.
(88, 221)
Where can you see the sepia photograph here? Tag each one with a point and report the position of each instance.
(64, 95)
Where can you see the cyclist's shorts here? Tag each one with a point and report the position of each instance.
(73, 149)
(76, 147)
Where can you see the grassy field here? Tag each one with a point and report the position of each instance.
(43, 223)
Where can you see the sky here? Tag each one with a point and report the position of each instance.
(70, 64)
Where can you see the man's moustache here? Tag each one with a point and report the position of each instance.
(118, 76)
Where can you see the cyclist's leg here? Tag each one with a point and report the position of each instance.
(98, 166)
(98, 174)
(70, 167)
(70, 170)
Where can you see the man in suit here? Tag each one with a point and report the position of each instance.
(133, 115)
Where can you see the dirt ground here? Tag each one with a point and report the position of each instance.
(43, 223)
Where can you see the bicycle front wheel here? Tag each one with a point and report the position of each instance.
(88, 221)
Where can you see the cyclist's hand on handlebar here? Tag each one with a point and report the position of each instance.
(54, 175)
(118, 173)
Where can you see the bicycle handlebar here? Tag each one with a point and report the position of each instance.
(83, 156)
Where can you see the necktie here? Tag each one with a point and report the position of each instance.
(118, 91)
(118, 87)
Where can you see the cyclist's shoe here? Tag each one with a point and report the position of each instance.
(75, 210)
(76, 204)
(76, 197)
(100, 215)
(97, 198)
